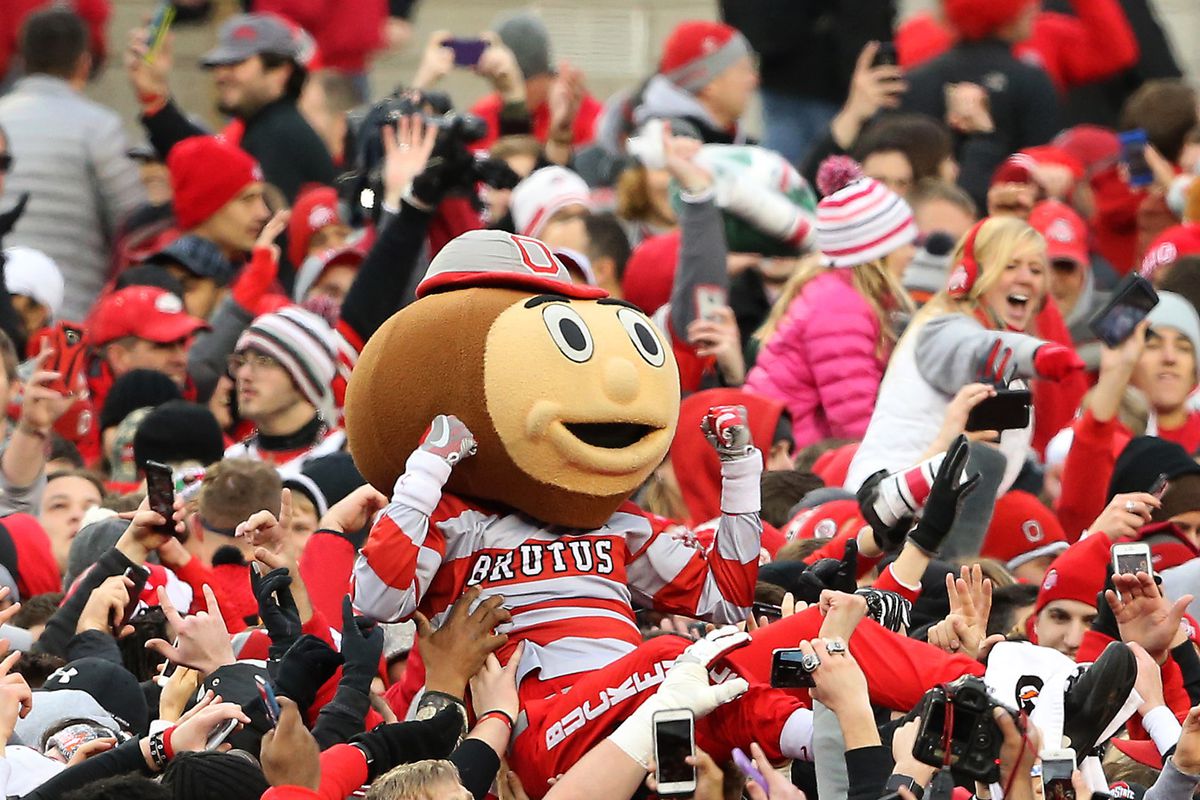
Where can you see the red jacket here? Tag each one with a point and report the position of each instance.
(94, 13)
(1055, 401)
(343, 770)
(585, 123)
(347, 32)
(1094, 44)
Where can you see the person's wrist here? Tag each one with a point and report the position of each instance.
(1186, 765)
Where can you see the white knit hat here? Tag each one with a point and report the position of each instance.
(859, 219)
(34, 274)
(1175, 311)
(302, 343)
(544, 193)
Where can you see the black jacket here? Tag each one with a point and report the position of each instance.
(1024, 105)
(289, 151)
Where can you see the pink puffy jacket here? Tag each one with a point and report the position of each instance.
(822, 360)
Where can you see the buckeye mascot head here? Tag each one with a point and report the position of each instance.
(572, 396)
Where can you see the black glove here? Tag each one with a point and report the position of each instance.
(362, 645)
(1105, 621)
(889, 538)
(806, 582)
(9, 218)
(277, 609)
(946, 496)
(841, 576)
(406, 742)
(446, 171)
(304, 669)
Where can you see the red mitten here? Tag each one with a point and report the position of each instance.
(256, 277)
(1056, 361)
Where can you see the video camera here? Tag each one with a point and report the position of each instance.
(361, 186)
(958, 729)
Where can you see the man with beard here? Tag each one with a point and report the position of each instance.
(258, 69)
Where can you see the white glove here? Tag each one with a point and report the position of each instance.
(767, 210)
(686, 686)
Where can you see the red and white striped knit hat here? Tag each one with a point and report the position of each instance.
(859, 219)
(543, 194)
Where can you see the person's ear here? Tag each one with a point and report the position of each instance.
(117, 356)
(782, 450)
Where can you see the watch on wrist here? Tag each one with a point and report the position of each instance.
(896, 781)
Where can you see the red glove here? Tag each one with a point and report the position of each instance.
(256, 277)
(1056, 361)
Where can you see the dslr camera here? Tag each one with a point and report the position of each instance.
(958, 729)
(363, 184)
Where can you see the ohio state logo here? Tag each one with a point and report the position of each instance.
(1051, 580)
(1060, 231)
(825, 529)
(1032, 530)
(958, 279)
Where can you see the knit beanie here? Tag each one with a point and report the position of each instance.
(316, 207)
(179, 431)
(1072, 576)
(133, 390)
(979, 19)
(1143, 459)
(327, 480)
(525, 34)
(302, 343)
(697, 51)
(1022, 529)
(25, 550)
(650, 272)
(206, 173)
(90, 543)
(36, 275)
(859, 219)
(543, 194)
(209, 775)
(122, 464)
(1174, 311)
(199, 256)
(930, 266)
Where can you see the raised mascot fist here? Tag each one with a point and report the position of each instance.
(449, 439)
(727, 429)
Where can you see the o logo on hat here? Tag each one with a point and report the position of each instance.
(245, 32)
(1060, 231)
(1051, 580)
(1165, 253)
(321, 216)
(168, 303)
(540, 260)
(825, 529)
(1032, 530)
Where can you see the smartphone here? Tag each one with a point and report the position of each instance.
(885, 56)
(746, 765)
(466, 51)
(1131, 302)
(1133, 156)
(160, 489)
(157, 31)
(674, 741)
(1057, 766)
(1007, 410)
(220, 734)
(138, 575)
(1159, 487)
(709, 301)
(269, 702)
(772, 612)
(787, 671)
(1132, 558)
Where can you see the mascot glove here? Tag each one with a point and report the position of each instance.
(1056, 361)
(686, 686)
(727, 429)
(449, 439)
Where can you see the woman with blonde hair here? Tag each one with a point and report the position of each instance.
(827, 339)
(975, 327)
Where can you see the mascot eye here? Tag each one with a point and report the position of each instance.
(568, 331)
(641, 332)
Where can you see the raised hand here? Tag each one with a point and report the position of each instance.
(1144, 615)
(202, 640)
(460, 647)
(263, 530)
(946, 496)
(105, 606)
(406, 151)
(1125, 514)
(354, 511)
(277, 608)
(290, 754)
(727, 429)
(449, 439)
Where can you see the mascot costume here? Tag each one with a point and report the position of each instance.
(509, 415)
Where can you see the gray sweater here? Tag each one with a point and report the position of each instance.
(69, 154)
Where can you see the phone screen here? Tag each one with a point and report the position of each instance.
(1133, 154)
(1131, 303)
(1133, 563)
(673, 744)
(1056, 779)
(160, 490)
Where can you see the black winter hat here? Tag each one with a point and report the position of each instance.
(327, 479)
(179, 431)
(1143, 460)
(214, 776)
(133, 390)
(111, 685)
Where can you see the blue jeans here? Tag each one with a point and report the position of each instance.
(793, 124)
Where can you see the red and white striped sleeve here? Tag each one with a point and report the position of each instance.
(718, 584)
(406, 547)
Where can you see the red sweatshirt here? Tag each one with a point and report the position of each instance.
(343, 770)
(1087, 472)
(1054, 402)
(489, 107)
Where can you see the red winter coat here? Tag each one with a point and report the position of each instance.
(347, 32)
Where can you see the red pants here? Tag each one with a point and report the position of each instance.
(564, 726)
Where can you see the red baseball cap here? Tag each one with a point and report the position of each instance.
(1021, 530)
(1064, 230)
(1171, 245)
(146, 312)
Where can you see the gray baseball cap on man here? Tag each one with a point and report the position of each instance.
(249, 35)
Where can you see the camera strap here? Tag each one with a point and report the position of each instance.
(942, 786)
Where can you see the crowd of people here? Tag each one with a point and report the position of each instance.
(937, 209)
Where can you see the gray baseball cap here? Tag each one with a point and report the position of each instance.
(249, 35)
